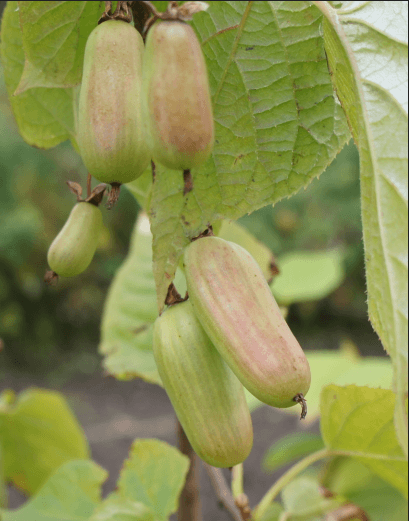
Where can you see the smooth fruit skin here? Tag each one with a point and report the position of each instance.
(176, 97)
(235, 306)
(111, 130)
(73, 249)
(208, 399)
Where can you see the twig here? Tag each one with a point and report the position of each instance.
(222, 491)
(189, 501)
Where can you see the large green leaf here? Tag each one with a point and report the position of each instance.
(38, 433)
(54, 38)
(154, 475)
(45, 116)
(116, 508)
(277, 122)
(366, 45)
(358, 422)
(303, 500)
(130, 311)
(71, 494)
(358, 484)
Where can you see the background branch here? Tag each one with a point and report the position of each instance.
(189, 501)
(223, 491)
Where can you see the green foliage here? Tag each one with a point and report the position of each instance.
(115, 508)
(375, 102)
(44, 116)
(303, 500)
(38, 433)
(130, 311)
(354, 481)
(54, 38)
(308, 276)
(277, 126)
(72, 492)
(154, 474)
(291, 447)
(358, 421)
(147, 489)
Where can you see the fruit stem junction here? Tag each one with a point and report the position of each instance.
(299, 398)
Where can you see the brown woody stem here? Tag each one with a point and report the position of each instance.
(189, 501)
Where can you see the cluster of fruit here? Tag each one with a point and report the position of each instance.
(229, 334)
(137, 102)
(140, 102)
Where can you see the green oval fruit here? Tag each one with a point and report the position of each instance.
(208, 399)
(111, 131)
(176, 97)
(73, 249)
(235, 306)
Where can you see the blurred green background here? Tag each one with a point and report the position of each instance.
(56, 330)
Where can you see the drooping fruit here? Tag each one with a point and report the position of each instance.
(208, 399)
(235, 306)
(73, 249)
(176, 97)
(111, 130)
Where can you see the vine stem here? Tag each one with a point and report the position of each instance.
(189, 501)
(292, 473)
(222, 491)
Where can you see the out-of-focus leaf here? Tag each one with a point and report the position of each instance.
(54, 38)
(234, 232)
(71, 494)
(141, 188)
(116, 508)
(277, 122)
(45, 116)
(303, 501)
(272, 513)
(367, 46)
(308, 276)
(358, 421)
(19, 230)
(291, 447)
(354, 481)
(154, 475)
(130, 311)
(38, 433)
(341, 368)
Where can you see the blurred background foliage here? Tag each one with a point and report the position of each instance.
(56, 330)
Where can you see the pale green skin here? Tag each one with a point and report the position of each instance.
(74, 247)
(208, 399)
(237, 310)
(176, 97)
(111, 130)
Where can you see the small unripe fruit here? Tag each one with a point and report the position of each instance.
(73, 249)
(176, 97)
(208, 399)
(111, 131)
(235, 306)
